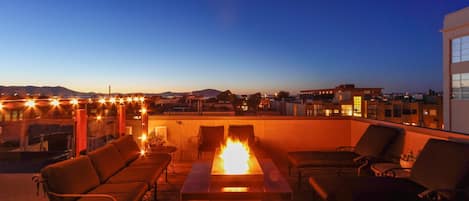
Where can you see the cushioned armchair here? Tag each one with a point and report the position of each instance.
(243, 133)
(440, 172)
(210, 138)
(371, 146)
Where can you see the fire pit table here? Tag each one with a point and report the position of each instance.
(200, 185)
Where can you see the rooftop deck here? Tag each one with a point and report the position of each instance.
(278, 135)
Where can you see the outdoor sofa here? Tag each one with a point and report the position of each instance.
(114, 172)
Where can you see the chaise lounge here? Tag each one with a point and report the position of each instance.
(371, 146)
(440, 172)
(114, 172)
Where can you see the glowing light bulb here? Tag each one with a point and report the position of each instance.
(143, 110)
(99, 117)
(55, 102)
(121, 100)
(129, 99)
(1, 105)
(142, 99)
(74, 101)
(112, 100)
(102, 101)
(30, 103)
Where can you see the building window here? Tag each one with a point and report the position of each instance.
(460, 86)
(357, 106)
(346, 110)
(397, 111)
(460, 49)
(387, 113)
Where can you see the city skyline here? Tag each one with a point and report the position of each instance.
(244, 46)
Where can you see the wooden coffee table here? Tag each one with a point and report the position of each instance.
(199, 187)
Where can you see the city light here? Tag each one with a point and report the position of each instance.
(55, 102)
(74, 101)
(30, 103)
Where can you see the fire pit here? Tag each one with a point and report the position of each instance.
(235, 166)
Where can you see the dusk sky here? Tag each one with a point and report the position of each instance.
(246, 46)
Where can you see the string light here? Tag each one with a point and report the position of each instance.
(142, 99)
(112, 100)
(55, 102)
(102, 100)
(129, 99)
(121, 100)
(143, 110)
(99, 117)
(135, 99)
(30, 103)
(74, 101)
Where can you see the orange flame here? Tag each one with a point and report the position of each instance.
(235, 157)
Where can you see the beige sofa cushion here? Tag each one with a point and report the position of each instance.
(107, 161)
(127, 147)
(71, 176)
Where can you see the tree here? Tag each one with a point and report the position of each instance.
(254, 100)
(282, 95)
(226, 96)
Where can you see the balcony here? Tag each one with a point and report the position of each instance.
(277, 134)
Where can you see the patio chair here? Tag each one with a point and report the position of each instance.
(440, 172)
(243, 133)
(210, 138)
(371, 146)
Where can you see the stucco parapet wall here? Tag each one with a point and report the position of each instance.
(420, 130)
(456, 20)
(184, 117)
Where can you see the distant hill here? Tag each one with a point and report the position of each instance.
(43, 91)
(207, 93)
(64, 92)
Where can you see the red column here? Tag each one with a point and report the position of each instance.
(81, 128)
(121, 116)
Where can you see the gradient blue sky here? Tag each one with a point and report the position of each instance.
(246, 45)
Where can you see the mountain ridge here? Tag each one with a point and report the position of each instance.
(65, 92)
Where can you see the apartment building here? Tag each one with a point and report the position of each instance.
(456, 70)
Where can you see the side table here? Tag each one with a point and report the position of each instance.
(167, 150)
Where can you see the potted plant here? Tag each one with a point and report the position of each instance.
(408, 159)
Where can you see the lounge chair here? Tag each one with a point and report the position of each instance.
(210, 138)
(440, 172)
(371, 146)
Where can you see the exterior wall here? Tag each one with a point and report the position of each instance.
(455, 25)
(281, 134)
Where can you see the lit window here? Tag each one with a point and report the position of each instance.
(460, 49)
(460, 86)
(357, 106)
(346, 110)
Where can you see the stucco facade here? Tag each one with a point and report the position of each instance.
(456, 25)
